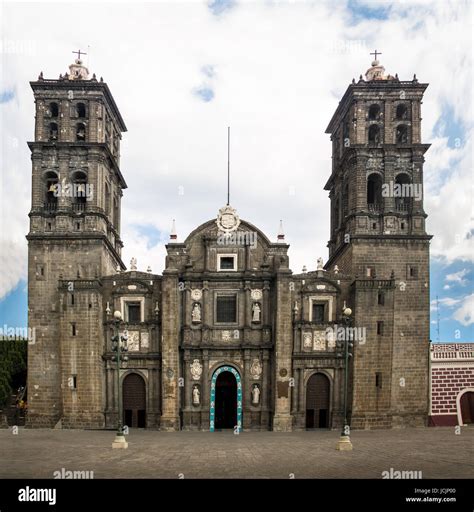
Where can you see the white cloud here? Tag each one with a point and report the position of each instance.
(465, 314)
(458, 277)
(279, 71)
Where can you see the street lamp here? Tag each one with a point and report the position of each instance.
(345, 441)
(119, 345)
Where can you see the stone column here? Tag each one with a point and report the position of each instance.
(282, 419)
(206, 312)
(266, 303)
(170, 350)
(266, 383)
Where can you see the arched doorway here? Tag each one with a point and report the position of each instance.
(466, 405)
(226, 399)
(317, 401)
(134, 401)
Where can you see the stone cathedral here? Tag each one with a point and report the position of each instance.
(228, 336)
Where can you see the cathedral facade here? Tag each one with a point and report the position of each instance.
(228, 336)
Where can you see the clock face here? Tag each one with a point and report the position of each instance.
(196, 294)
(256, 294)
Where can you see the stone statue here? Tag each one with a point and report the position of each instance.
(196, 395)
(319, 264)
(255, 394)
(256, 312)
(196, 313)
(133, 264)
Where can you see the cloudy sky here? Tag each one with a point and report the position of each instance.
(181, 72)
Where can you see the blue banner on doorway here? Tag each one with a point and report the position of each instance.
(216, 374)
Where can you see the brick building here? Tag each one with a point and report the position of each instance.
(227, 335)
(452, 384)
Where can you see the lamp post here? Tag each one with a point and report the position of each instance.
(119, 345)
(345, 440)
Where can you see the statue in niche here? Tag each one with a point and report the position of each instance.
(196, 395)
(196, 313)
(255, 394)
(256, 312)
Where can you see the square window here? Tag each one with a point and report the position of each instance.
(226, 309)
(227, 262)
(133, 312)
(381, 299)
(318, 313)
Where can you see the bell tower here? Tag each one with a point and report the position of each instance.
(74, 227)
(378, 236)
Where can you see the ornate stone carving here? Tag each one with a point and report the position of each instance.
(256, 369)
(133, 341)
(226, 335)
(307, 340)
(196, 294)
(227, 219)
(256, 294)
(196, 369)
(319, 338)
(145, 343)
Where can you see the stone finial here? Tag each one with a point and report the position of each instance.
(319, 264)
(101, 79)
(173, 234)
(94, 78)
(118, 269)
(353, 81)
(133, 264)
(149, 269)
(336, 269)
(304, 269)
(281, 233)
(392, 275)
(40, 77)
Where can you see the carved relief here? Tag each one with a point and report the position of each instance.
(256, 369)
(319, 338)
(196, 369)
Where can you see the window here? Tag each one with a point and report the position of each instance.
(381, 299)
(73, 329)
(374, 112)
(227, 262)
(80, 132)
(374, 192)
(51, 196)
(378, 380)
(73, 382)
(402, 111)
(374, 134)
(53, 109)
(79, 180)
(403, 188)
(133, 312)
(412, 272)
(318, 313)
(370, 272)
(380, 328)
(53, 131)
(81, 110)
(402, 134)
(226, 309)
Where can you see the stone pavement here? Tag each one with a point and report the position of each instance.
(437, 452)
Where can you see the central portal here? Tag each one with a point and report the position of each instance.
(226, 399)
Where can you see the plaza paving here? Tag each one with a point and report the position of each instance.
(437, 452)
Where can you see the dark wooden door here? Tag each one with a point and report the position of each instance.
(134, 401)
(226, 401)
(317, 401)
(467, 407)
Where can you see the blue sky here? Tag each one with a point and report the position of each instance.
(275, 72)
